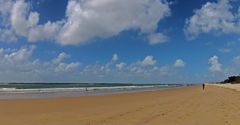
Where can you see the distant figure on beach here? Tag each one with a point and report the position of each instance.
(203, 86)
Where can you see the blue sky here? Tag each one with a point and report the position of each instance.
(145, 41)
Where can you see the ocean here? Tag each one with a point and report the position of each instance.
(58, 90)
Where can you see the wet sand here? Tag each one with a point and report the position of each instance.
(179, 106)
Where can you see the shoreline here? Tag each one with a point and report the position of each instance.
(177, 106)
(77, 92)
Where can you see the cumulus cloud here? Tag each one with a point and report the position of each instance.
(91, 19)
(61, 66)
(96, 70)
(7, 35)
(149, 61)
(5, 7)
(157, 38)
(85, 20)
(115, 57)
(215, 66)
(16, 62)
(128, 71)
(179, 63)
(120, 66)
(61, 57)
(20, 55)
(213, 17)
(19, 21)
(47, 31)
(64, 67)
(18, 65)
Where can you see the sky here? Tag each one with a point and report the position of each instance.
(122, 41)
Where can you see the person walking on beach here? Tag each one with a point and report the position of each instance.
(203, 86)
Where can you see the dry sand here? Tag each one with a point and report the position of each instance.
(182, 106)
(230, 86)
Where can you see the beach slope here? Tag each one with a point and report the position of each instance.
(179, 106)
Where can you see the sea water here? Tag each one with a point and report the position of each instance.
(55, 91)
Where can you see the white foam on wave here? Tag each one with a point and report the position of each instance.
(13, 93)
(80, 89)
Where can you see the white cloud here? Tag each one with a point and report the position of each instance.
(179, 63)
(90, 19)
(85, 20)
(7, 35)
(5, 6)
(157, 38)
(5, 9)
(213, 16)
(115, 57)
(133, 71)
(19, 21)
(120, 66)
(16, 62)
(63, 67)
(61, 57)
(47, 31)
(95, 70)
(20, 55)
(33, 19)
(215, 66)
(18, 65)
(148, 61)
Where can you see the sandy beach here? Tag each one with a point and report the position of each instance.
(179, 106)
(229, 86)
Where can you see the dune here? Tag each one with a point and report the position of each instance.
(229, 86)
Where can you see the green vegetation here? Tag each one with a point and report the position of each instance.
(232, 80)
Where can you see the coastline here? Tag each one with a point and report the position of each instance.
(177, 106)
(43, 93)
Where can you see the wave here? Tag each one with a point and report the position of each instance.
(76, 89)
